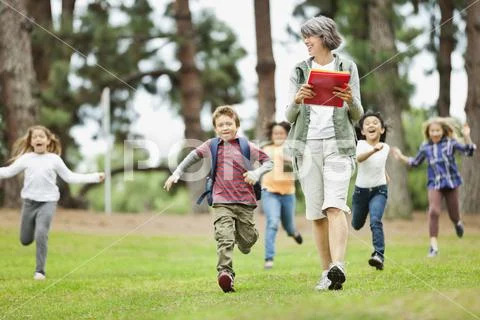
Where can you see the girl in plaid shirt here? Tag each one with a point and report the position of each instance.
(443, 176)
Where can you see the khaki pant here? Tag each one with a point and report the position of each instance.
(234, 224)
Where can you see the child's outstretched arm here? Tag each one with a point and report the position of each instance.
(189, 160)
(365, 155)
(170, 181)
(468, 148)
(71, 177)
(253, 176)
(398, 155)
(412, 162)
(15, 168)
(466, 133)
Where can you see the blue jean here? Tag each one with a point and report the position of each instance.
(277, 208)
(371, 200)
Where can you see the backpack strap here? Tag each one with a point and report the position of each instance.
(245, 149)
(213, 152)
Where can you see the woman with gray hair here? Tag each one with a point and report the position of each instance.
(322, 143)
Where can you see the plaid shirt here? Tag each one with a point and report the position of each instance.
(442, 169)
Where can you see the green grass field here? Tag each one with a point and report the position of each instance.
(146, 277)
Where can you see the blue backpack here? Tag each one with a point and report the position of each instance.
(245, 149)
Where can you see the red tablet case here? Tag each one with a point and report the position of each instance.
(323, 82)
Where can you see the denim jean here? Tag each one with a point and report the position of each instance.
(371, 200)
(278, 208)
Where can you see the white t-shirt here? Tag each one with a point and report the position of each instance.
(40, 182)
(321, 117)
(371, 172)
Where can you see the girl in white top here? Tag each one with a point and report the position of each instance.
(37, 155)
(371, 191)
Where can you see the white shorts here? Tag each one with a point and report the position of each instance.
(324, 175)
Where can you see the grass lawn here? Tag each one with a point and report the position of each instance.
(94, 276)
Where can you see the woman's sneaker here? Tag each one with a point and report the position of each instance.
(432, 253)
(459, 228)
(324, 283)
(376, 261)
(336, 274)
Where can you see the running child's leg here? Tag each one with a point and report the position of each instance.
(453, 207)
(27, 224)
(245, 232)
(451, 197)
(43, 221)
(360, 201)
(272, 207)
(377, 208)
(224, 222)
(288, 214)
(434, 208)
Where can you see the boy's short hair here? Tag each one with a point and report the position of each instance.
(225, 111)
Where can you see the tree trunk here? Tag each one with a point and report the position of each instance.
(68, 7)
(469, 195)
(265, 68)
(382, 41)
(41, 12)
(17, 82)
(444, 64)
(66, 198)
(43, 54)
(190, 90)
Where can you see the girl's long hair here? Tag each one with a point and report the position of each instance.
(24, 144)
(450, 127)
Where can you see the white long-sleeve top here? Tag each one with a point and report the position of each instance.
(40, 181)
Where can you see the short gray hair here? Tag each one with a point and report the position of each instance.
(324, 28)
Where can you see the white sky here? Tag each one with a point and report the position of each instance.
(161, 126)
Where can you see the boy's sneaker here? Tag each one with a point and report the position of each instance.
(268, 264)
(459, 229)
(336, 274)
(432, 252)
(298, 238)
(324, 283)
(39, 276)
(244, 250)
(225, 281)
(376, 261)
